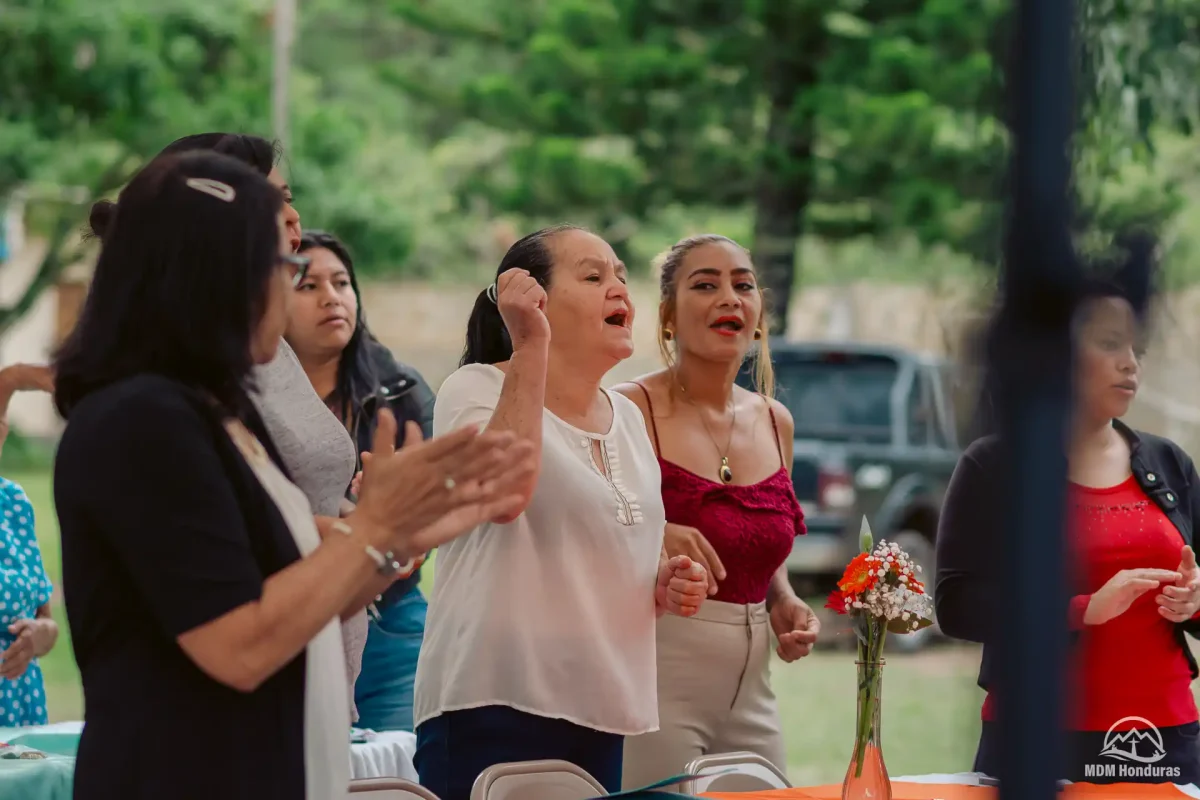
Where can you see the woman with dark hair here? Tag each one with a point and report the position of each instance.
(1133, 508)
(353, 372)
(202, 593)
(726, 460)
(319, 453)
(556, 661)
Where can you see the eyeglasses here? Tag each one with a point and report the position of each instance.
(300, 263)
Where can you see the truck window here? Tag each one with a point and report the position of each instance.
(922, 414)
(838, 397)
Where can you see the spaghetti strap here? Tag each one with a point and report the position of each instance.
(774, 427)
(650, 408)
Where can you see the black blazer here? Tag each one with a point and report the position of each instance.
(165, 527)
(968, 598)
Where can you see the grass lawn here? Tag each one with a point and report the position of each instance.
(931, 704)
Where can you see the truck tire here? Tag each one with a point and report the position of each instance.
(921, 550)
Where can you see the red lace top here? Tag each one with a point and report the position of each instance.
(1133, 665)
(751, 527)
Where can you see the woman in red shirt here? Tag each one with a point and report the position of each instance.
(1132, 503)
(726, 457)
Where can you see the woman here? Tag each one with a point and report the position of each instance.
(1134, 504)
(27, 630)
(316, 449)
(351, 371)
(726, 457)
(203, 595)
(557, 659)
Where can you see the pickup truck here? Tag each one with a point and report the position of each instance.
(875, 436)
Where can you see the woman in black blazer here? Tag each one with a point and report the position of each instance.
(203, 596)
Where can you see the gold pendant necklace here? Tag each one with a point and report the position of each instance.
(725, 473)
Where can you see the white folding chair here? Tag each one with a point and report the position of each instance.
(536, 780)
(733, 772)
(389, 789)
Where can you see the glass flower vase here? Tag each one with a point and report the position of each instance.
(867, 776)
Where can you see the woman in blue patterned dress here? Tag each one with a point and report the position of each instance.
(27, 631)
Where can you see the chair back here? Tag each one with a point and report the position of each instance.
(536, 780)
(733, 772)
(389, 789)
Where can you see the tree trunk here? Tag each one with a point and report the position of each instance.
(785, 181)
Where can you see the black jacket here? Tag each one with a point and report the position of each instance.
(969, 593)
(410, 398)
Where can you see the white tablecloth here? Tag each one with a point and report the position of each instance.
(388, 755)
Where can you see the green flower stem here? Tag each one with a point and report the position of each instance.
(871, 656)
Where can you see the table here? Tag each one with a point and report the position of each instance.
(964, 786)
(386, 755)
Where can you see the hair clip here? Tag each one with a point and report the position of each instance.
(491, 294)
(221, 191)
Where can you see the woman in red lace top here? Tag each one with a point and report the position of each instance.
(726, 457)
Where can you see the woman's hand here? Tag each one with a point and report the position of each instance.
(682, 585)
(34, 639)
(1180, 602)
(680, 540)
(27, 378)
(522, 304)
(796, 627)
(430, 492)
(1115, 597)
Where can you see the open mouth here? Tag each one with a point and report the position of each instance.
(617, 319)
(728, 325)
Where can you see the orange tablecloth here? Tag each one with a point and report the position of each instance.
(944, 791)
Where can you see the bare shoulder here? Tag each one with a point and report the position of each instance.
(636, 390)
(783, 417)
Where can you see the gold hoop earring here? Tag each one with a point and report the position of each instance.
(668, 334)
(758, 333)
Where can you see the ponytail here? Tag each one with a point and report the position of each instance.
(488, 341)
(487, 338)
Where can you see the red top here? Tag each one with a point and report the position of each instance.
(751, 527)
(1133, 665)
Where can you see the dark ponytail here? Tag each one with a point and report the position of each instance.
(487, 338)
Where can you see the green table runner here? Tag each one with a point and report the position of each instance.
(47, 778)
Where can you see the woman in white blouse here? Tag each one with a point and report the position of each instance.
(540, 635)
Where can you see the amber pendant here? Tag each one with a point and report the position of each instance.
(726, 473)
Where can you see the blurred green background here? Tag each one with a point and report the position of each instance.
(841, 140)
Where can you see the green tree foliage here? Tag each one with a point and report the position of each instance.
(837, 119)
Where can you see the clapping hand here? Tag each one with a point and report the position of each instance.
(430, 492)
(682, 585)
(796, 627)
(1180, 601)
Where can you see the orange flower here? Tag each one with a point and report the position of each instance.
(859, 576)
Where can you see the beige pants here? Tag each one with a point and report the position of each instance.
(714, 693)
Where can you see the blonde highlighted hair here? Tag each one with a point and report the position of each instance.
(667, 264)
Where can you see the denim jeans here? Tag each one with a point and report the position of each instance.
(384, 689)
(455, 747)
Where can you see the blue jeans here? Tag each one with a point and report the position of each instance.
(384, 689)
(454, 748)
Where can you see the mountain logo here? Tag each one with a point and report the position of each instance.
(1142, 743)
